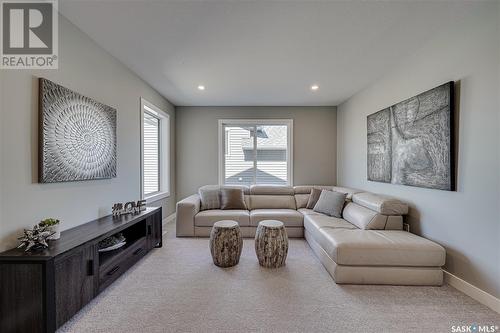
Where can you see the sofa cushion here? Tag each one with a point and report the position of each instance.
(232, 198)
(306, 189)
(381, 203)
(271, 190)
(210, 197)
(330, 203)
(306, 211)
(394, 222)
(290, 217)
(207, 218)
(315, 222)
(357, 247)
(269, 201)
(347, 190)
(364, 218)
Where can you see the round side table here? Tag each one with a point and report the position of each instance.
(271, 243)
(226, 243)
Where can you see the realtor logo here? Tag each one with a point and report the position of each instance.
(29, 38)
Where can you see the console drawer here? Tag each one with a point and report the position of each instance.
(114, 268)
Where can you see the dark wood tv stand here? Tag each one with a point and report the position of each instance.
(40, 291)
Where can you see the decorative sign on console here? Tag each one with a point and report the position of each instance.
(411, 142)
(77, 136)
(131, 207)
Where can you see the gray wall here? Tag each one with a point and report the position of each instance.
(314, 133)
(466, 222)
(89, 70)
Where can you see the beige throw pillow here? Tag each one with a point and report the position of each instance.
(209, 197)
(232, 198)
(313, 198)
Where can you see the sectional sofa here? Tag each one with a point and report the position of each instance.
(366, 246)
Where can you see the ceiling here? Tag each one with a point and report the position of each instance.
(260, 52)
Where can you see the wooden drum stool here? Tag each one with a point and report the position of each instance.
(271, 243)
(226, 243)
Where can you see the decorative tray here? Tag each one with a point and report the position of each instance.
(113, 247)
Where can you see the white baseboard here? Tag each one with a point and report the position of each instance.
(479, 295)
(168, 219)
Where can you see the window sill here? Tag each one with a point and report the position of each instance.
(156, 196)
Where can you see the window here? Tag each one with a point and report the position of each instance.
(255, 152)
(155, 158)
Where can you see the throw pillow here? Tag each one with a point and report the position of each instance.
(330, 203)
(210, 197)
(232, 198)
(313, 198)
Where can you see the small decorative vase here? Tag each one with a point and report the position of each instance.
(56, 230)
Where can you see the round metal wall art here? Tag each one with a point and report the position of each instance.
(78, 136)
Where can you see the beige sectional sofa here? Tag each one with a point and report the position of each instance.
(366, 246)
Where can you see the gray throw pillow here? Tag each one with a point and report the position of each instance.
(209, 197)
(313, 198)
(232, 198)
(330, 203)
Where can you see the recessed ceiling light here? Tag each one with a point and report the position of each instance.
(314, 87)
(200, 87)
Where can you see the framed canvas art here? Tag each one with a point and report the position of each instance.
(411, 142)
(77, 136)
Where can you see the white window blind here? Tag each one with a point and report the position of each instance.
(256, 152)
(151, 154)
(155, 159)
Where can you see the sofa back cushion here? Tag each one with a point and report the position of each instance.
(365, 218)
(347, 190)
(375, 211)
(272, 197)
(306, 189)
(272, 202)
(380, 203)
(271, 190)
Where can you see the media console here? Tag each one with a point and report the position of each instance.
(40, 291)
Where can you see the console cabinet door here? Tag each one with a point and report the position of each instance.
(154, 231)
(157, 230)
(75, 281)
(21, 298)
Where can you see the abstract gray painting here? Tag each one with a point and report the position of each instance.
(77, 136)
(411, 142)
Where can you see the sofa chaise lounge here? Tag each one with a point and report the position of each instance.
(366, 246)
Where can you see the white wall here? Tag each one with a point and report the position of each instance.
(86, 68)
(314, 143)
(466, 222)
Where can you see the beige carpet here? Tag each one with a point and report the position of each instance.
(178, 289)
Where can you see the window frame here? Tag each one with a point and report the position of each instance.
(255, 122)
(164, 151)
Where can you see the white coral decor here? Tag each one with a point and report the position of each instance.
(35, 238)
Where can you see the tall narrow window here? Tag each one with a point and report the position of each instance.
(155, 133)
(255, 152)
(151, 154)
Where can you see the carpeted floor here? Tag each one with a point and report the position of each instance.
(178, 289)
